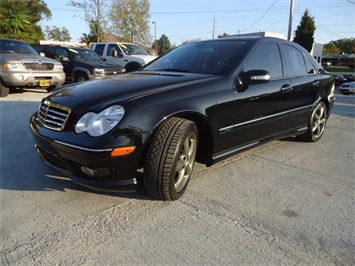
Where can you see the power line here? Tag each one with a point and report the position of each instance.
(261, 16)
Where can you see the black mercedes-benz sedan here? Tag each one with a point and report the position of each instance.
(202, 101)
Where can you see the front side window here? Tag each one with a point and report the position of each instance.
(61, 54)
(294, 61)
(266, 57)
(112, 49)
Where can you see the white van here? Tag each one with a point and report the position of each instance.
(129, 55)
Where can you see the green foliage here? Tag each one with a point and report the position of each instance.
(331, 48)
(164, 44)
(57, 34)
(19, 18)
(130, 20)
(346, 45)
(304, 35)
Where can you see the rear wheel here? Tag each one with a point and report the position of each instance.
(170, 159)
(317, 123)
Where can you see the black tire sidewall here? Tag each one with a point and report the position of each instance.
(159, 177)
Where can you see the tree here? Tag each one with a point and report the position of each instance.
(304, 34)
(346, 45)
(57, 34)
(130, 20)
(223, 35)
(164, 44)
(95, 12)
(331, 48)
(19, 18)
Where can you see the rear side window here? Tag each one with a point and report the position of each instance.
(266, 57)
(100, 49)
(294, 61)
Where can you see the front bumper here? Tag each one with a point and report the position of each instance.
(347, 90)
(32, 79)
(93, 168)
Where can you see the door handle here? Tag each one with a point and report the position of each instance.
(285, 88)
(315, 83)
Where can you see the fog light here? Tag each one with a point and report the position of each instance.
(88, 171)
(20, 77)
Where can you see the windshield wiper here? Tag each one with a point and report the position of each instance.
(176, 70)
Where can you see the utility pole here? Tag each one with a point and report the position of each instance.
(155, 37)
(214, 24)
(290, 22)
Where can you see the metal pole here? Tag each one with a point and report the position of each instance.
(290, 22)
(155, 37)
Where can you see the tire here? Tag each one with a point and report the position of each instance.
(4, 91)
(170, 159)
(81, 77)
(317, 123)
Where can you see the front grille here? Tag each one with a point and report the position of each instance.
(38, 65)
(53, 115)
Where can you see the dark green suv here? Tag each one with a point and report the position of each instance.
(80, 64)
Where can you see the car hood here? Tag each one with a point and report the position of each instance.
(122, 88)
(24, 57)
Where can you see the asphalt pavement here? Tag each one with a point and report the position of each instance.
(284, 203)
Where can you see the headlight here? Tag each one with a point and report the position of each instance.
(11, 65)
(58, 66)
(98, 124)
(99, 71)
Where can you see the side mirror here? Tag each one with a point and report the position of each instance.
(255, 77)
(251, 77)
(42, 54)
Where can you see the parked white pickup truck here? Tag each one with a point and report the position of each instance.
(129, 55)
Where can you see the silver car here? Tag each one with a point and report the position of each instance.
(22, 67)
(347, 88)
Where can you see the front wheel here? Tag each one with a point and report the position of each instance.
(317, 123)
(81, 77)
(170, 159)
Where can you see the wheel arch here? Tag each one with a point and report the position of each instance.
(78, 70)
(205, 136)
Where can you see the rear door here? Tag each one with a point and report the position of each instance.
(305, 83)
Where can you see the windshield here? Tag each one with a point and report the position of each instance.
(13, 46)
(209, 57)
(84, 54)
(133, 49)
